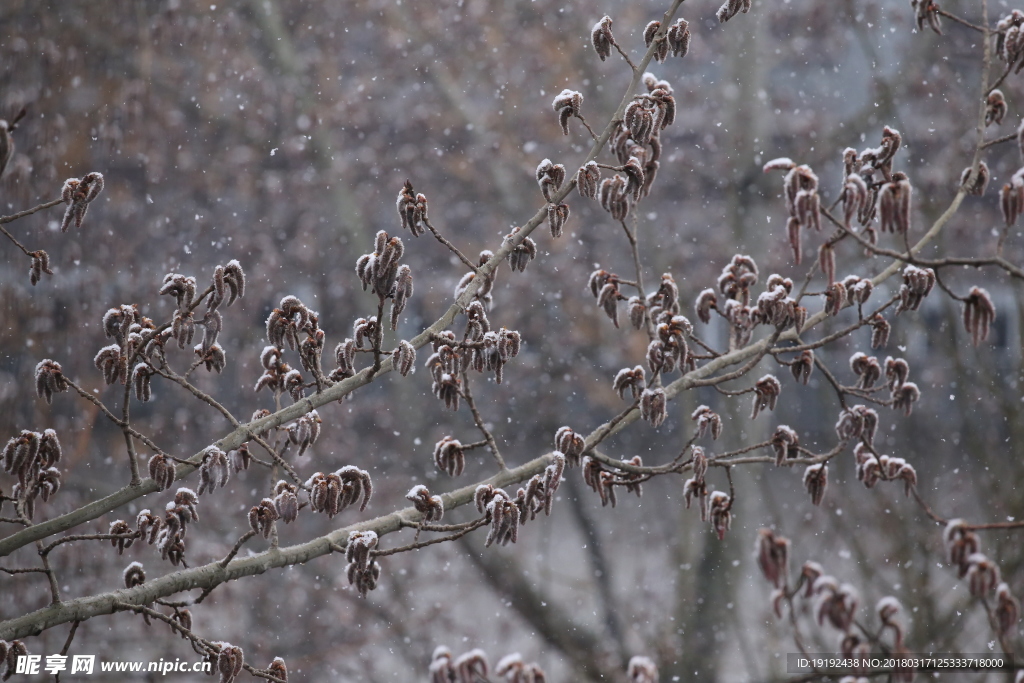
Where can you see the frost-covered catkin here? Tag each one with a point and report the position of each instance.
(78, 194)
(602, 38)
(642, 670)
(816, 482)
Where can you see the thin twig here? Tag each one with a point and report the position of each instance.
(479, 421)
(423, 544)
(589, 129)
(29, 212)
(86, 537)
(966, 23)
(451, 247)
(626, 57)
(238, 546)
(995, 141)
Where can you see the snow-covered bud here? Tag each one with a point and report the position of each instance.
(522, 253)
(214, 471)
(731, 8)
(161, 471)
(78, 194)
(653, 406)
(867, 369)
(706, 301)
(431, 507)
(905, 397)
(286, 501)
(134, 575)
(980, 179)
(558, 214)
(550, 177)
(720, 512)
(50, 379)
(412, 209)
(124, 534)
(642, 670)
(803, 366)
(587, 179)
(570, 444)
(786, 444)
(995, 107)
(880, 330)
(263, 516)
(766, 394)
(816, 482)
(602, 38)
(404, 358)
(679, 38)
(707, 421)
(835, 298)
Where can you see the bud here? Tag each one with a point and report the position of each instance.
(78, 194)
(161, 471)
(905, 397)
(278, 669)
(836, 604)
(679, 38)
(977, 187)
(719, 510)
(602, 38)
(880, 330)
(123, 532)
(567, 104)
(835, 298)
(262, 517)
(772, 554)
(558, 214)
(1007, 610)
(587, 179)
(982, 575)
(927, 12)
(522, 253)
(979, 312)
(431, 507)
(766, 394)
(816, 482)
(706, 301)
(653, 406)
(570, 444)
(1011, 196)
(707, 420)
(866, 368)
(550, 178)
(786, 444)
(134, 575)
(40, 261)
(995, 107)
(404, 357)
(50, 379)
(894, 205)
(642, 670)
(803, 366)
